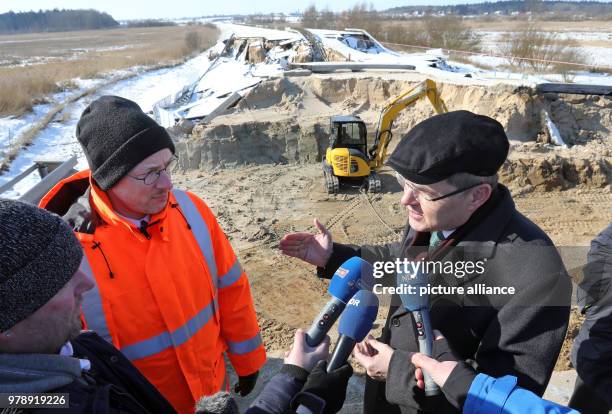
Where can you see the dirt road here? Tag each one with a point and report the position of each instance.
(257, 205)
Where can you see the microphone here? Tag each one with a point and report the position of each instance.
(355, 323)
(418, 305)
(354, 274)
(219, 403)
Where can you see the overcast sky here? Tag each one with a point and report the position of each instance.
(140, 9)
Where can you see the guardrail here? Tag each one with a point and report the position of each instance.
(51, 172)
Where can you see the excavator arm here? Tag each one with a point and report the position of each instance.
(378, 152)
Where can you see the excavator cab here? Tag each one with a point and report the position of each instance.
(348, 132)
(346, 158)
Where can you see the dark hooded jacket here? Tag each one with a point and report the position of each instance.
(112, 385)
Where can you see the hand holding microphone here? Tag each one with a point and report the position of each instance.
(354, 274)
(439, 365)
(305, 356)
(329, 380)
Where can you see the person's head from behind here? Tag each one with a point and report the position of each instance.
(447, 166)
(41, 284)
(129, 154)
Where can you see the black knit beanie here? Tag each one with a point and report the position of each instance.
(116, 136)
(39, 254)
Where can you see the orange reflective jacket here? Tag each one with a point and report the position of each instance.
(173, 298)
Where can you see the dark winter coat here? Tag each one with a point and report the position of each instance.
(112, 385)
(592, 349)
(518, 335)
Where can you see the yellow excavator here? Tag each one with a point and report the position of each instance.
(347, 157)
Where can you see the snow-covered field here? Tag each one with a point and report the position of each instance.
(58, 141)
(594, 55)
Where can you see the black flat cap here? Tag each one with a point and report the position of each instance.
(450, 143)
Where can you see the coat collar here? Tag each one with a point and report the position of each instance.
(490, 227)
(477, 239)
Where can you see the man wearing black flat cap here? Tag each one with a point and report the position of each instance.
(458, 213)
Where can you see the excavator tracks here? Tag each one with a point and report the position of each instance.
(374, 183)
(332, 183)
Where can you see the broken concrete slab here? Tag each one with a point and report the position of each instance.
(327, 67)
(574, 88)
(297, 72)
(206, 114)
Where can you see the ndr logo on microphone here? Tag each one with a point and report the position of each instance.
(353, 302)
(342, 272)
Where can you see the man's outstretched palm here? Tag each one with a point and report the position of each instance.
(312, 248)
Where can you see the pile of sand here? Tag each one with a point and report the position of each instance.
(286, 120)
(279, 92)
(542, 167)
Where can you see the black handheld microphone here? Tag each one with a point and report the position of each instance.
(418, 305)
(354, 274)
(355, 323)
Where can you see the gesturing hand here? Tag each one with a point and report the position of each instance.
(311, 248)
(374, 356)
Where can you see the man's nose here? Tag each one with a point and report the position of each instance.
(165, 181)
(86, 281)
(408, 198)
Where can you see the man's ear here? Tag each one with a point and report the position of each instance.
(478, 196)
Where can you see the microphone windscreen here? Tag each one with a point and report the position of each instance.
(219, 403)
(413, 301)
(359, 316)
(353, 275)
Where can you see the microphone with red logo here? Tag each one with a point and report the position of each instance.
(353, 275)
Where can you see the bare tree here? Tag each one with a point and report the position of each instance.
(449, 32)
(310, 17)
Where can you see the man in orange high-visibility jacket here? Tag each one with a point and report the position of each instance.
(170, 293)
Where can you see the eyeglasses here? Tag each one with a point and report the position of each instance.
(151, 177)
(418, 194)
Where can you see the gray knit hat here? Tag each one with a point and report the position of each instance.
(39, 254)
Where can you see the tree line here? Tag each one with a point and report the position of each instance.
(506, 7)
(54, 21)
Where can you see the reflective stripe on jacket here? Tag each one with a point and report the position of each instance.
(173, 299)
